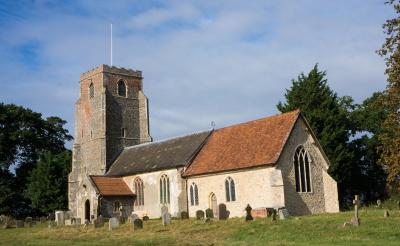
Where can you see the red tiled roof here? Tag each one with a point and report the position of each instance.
(245, 145)
(111, 186)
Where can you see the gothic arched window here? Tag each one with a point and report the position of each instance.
(117, 206)
(139, 192)
(302, 170)
(164, 189)
(91, 90)
(194, 195)
(230, 190)
(121, 88)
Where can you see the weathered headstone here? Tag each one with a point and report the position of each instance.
(19, 223)
(113, 223)
(223, 214)
(98, 222)
(59, 218)
(386, 214)
(273, 215)
(283, 213)
(146, 218)
(248, 213)
(78, 221)
(199, 214)
(28, 222)
(356, 220)
(184, 215)
(379, 203)
(165, 216)
(137, 224)
(133, 217)
(209, 213)
(52, 224)
(8, 222)
(68, 222)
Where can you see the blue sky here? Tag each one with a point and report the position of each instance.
(202, 61)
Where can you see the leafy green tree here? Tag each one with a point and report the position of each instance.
(329, 119)
(389, 138)
(48, 182)
(24, 135)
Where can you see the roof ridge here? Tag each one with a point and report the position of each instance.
(167, 139)
(260, 119)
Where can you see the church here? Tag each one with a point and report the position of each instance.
(273, 162)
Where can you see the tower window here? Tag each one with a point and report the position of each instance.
(121, 88)
(123, 132)
(302, 171)
(91, 90)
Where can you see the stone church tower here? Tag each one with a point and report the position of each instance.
(111, 113)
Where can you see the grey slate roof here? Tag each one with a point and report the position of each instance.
(164, 154)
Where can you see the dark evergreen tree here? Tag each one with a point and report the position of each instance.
(48, 182)
(329, 119)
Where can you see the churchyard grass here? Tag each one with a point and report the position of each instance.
(323, 229)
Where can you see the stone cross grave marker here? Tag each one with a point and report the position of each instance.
(113, 223)
(137, 224)
(248, 213)
(166, 217)
(356, 220)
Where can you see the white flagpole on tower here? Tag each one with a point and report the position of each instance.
(111, 47)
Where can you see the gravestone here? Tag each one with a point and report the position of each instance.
(68, 222)
(223, 214)
(146, 218)
(356, 220)
(248, 213)
(28, 221)
(8, 222)
(283, 213)
(199, 214)
(113, 223)
(52, 224)
(19, 223)
(165, 216)
(379, 203)
(273, 215)
(137, 224)
(209, 213)
(184, 215)
(59, 218)
(98, 222)
(133, 217)
(386, 214)
(51, 216)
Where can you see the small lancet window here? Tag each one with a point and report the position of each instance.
(302, 170)
(91, 90)
(194, 195)
(164, 189)
(123, 132)
(121, 88)
(230, 190)
(139, 192)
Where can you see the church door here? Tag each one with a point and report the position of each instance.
(214, 204)
(87, 210)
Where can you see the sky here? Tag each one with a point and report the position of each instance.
(202, 61)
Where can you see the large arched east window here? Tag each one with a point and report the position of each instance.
(121, 88)
(91, 90)
(194, 195)
(139, 192)
(302, 170)
(230, 190)
(164, 189)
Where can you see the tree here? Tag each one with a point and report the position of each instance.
(329, 119)
(24, 135)
(389, 138)
(48, 183)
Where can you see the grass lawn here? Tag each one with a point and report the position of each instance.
(323, 229)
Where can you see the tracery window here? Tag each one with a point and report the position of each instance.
(230, 190)
(164, 189)
(139, 192)
(194, 195)
(121, 88)
(302, 170)
(91, 90)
